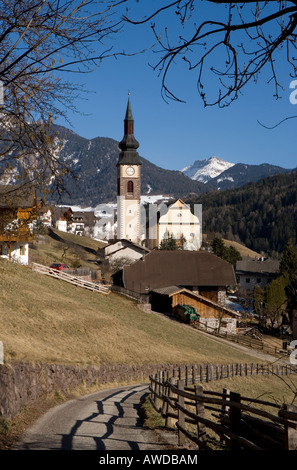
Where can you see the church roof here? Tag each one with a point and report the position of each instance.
(129, 115)
(129, 145)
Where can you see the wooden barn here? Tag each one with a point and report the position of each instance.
(197, 271)
(210, 315)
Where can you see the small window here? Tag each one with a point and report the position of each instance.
(22, 250)
(258, 280)
(130, 187)
(247, 280)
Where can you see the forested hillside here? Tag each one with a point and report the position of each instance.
(93, 177)
(262, 215)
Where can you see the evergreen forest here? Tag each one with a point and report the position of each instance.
(261, 215)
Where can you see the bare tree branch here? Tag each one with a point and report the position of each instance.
(251, 37)
(38, 41)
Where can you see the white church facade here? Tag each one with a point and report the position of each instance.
(180, 223)
(161, 222)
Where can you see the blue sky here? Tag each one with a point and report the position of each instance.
(172, 134)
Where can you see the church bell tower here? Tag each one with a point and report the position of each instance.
(129, 183)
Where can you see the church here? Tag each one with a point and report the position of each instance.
(128, 183)
(178, 221)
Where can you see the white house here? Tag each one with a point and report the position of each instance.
(19, 252)
(62, 224)
(180, 223)
(123, 249)
(256, 272)
(45, 216)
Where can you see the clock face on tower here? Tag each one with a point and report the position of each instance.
(130, 171)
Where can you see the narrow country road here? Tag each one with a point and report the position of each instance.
(105, 420)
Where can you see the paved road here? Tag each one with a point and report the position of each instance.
(105, 420)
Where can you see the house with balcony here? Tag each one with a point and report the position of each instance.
(18, 210)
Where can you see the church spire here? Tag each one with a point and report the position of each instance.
(129, 116)
(129, 121)
(129, 144)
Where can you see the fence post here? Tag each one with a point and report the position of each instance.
(200, 411)
(207, 372)
(225, 408)
(154, 389)
(158, 400)
(181, 416)
(290, 432)
(210, 373)
(201, 373)
(165, 393)
(169, 420)
(193, 374)
(226, 396)
(235, 416)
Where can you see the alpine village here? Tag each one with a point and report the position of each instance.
(184, 292)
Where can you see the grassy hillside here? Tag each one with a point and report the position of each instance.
(56, 246)
(243, 250)
(46, 320)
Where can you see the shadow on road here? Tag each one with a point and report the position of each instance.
(120, 428)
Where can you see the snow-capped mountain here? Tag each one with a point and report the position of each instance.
(205, 170)
(93, 178)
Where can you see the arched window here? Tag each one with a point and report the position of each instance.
(130, 187)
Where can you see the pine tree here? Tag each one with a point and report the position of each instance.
(288, 264)
(276, 299)
(288, 269)
(168, 243)
(258, 298)
(228, 254)
(218, 247)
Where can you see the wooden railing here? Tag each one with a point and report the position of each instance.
(76, 280)
(245, 341)
(227, 420)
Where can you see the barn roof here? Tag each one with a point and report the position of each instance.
(161, 268)
(170, 291)
(256, 266)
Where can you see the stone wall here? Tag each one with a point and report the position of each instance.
(226, 325)
(22, 383)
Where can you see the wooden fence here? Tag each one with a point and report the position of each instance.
(245, 341)
(227, 420)
(76, 280)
